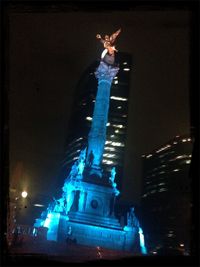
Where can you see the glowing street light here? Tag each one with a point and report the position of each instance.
(24, 194)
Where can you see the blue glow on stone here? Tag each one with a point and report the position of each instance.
(126, 228)
(140, 232)
(112, 181)
(48, 220)
(105, 81)
(51, 223)
(81, 200)
(142, 243)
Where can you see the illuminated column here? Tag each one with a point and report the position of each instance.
(97, 136)
(82, 201)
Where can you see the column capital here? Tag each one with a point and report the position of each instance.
(106, 72)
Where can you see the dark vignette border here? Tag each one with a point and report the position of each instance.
(46, 6)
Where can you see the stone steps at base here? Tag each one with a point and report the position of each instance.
(95, 220)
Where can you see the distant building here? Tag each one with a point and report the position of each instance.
(82, 113)
(166, 195)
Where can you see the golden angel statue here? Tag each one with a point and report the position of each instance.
(108, 42)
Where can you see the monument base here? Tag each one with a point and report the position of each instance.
(91, 221)
(113, 237)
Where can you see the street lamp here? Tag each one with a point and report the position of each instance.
(24, 194)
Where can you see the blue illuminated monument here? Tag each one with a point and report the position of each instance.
(85, 211)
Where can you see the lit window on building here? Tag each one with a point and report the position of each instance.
(124, 116)
(170, 235)
(175, 142)
(184, 140)
(116, 82)
(176, 170)
(76, 140)
(126, 69)
(153, 191)
(162, 172)
(108, 124)
(162, 189)
(125, 63)
(109, 148)
(73, 152)
(115, 77)
(119, 132)
(118, 98)
(188, 161)
(112, 136)
(75, 158)
(107, 155)
(118, 126)
(148, 156)
(119, 107)
(117, 144)
(105, 161)
(161, 184)
(116, 131)
(163, 148)
(88, 118)
(145, 195)
(155, 169)
(108, 142)
(179, 157)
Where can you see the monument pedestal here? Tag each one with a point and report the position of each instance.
(91, 222)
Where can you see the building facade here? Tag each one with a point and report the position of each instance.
(166, 196)
(82, 112)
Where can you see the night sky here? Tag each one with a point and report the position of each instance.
(48, 53)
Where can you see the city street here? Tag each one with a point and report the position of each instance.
(62, 252)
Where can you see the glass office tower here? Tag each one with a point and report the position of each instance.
(167, 195)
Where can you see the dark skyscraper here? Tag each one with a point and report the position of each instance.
(81, 117)
(166, 197)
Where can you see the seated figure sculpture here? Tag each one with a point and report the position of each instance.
(81, 162)
(132, 220)
(113, 173)
(112, 181)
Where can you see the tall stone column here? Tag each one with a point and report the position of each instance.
(97, 135)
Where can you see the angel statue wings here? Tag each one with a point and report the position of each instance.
(108, 42)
